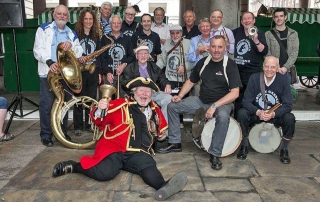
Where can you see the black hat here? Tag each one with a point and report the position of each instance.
(140, 81)
(136, 8)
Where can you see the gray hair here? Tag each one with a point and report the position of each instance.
(203, 20)
(129, 7)
(61, 5)
(107, 3)
(189, 11)
(117, 16)
(135, 88)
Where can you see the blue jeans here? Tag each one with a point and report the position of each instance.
(46, 99)
(3, 103)
(190, 105)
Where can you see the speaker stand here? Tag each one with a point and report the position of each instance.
(18, 98)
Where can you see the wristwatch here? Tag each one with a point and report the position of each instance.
(258, 43)
(214, 105)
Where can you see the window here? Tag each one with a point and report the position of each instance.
(153, 6)
(86, 4)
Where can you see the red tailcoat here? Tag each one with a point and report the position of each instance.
(117, 126)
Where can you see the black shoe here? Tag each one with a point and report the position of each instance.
(67, 137)
(284, 156)
(242, 154)
(197, 142)
(47, 142)
(176, 147)
(216, 163)
(172, 186)
(62, 168)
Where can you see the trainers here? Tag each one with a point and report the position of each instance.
(6, 137)
(78, 132)
(197, 142)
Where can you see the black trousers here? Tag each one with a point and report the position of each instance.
(89, 88)
(138, 163)
(237, 104)
(286, 121)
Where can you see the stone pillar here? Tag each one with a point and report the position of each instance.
(244, 6)
(203, 9)
(184, 5)
(230, 12)
(303, 4)
(38, 7)
(64, 2)
(123, 2)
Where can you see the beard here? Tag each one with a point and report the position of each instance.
(142, 100)
(61, 22)
(175, 40)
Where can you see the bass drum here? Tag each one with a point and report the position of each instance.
(265, 137)
(233, 137)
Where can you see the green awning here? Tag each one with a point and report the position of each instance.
(46, 16)
(301, 15)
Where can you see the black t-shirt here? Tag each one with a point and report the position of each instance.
(246, 54)
(120, 52)
(283, 38)
(89, 46)
(193, 32)
(128, 30)
(152, 41)
(214, 85)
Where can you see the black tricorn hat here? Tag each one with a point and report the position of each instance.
(136, 8)
(141, 81)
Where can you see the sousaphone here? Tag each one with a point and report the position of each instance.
(70, 71)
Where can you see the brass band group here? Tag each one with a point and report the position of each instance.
(161, 73)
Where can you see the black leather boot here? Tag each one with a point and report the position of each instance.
(172, 186)
(284, 156)
(176, 147)
(63, 168)
(216, 163)
(242, 154)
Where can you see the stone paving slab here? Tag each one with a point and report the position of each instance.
(26, 169)
(287, 189)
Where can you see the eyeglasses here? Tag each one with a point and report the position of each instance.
(116, 23)
(130, 14)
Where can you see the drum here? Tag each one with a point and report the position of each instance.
(265, 137)
(233, 137)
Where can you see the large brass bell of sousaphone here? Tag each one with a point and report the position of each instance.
(70, 68)
(107, 91)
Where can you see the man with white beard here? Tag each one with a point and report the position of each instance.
(48, 37)
(173, 59)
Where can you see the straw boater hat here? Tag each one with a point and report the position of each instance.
(141, 81)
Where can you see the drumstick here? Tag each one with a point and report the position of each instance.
(276, 106)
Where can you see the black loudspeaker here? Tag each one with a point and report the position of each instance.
(12, 14)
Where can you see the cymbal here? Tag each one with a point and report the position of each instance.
(198, 123)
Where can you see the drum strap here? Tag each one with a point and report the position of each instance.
(263, 88)
(225, 61)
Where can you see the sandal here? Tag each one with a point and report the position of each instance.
(6, 137)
